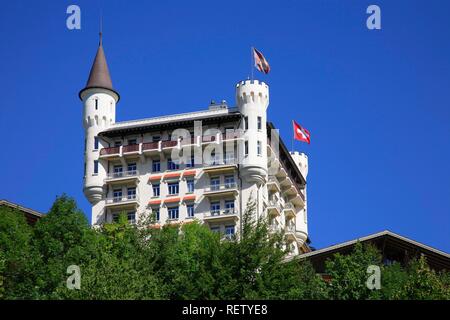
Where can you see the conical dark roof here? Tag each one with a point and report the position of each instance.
(99, 76)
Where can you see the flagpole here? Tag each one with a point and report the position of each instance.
(251, 61)
(292, 137)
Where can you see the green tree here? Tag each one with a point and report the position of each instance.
(188, 260)
(121, 269)
(63, 237)
(256, 266)
(422, 283)
(18, 260)
(349, 273)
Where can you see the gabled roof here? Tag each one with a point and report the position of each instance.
(31, 215)
(387, 240)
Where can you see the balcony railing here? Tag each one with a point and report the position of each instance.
(168, 143)
(111, 150)
(224, 212)
(273, 204)
(274, 228)
(290, 228)
(121, 199)
(289, 206)
(216, 161)
(130, 148)
(221, 187)
(118, 175)
(150, 145)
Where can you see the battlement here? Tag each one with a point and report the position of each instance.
(251, 82)
(252, 91)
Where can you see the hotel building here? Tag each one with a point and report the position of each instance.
(203, 165)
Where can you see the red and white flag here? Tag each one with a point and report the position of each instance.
(301, 133)
(260, 62)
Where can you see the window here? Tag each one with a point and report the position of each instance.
(115, 217)
(117, 195)
(246, 148)
(190, 163)
(229, 158)
(173, 213)
(215, 208)
(172, 165)
(96, 104)
(131, 216)
(131, 193)
(156, 190)
(156, 166)
(229, 232)
(229, 182)
(156, 138)
(117, 143)
(132, 141)
(190, 186)
(245, 123)
(229, 132)
(117, 171)
(258, 148)
(155, 211)
(229, 206)
(174, 188)
(190, 210)
(215, 183)
(215, 229)
(259, 123)
(95, 166)
(95, 143)
(132, 168)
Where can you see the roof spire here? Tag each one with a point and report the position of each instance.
(101, 28)
(99, 76)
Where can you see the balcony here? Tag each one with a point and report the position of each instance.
(122, 202)
(273, 208)
(151, 148)
(169, 145)
(122, 177)
(221, 215)
(221, 190)
(109, 153)
(289, 232)
(273, 184)
(289, 210)
(274, 228)
(114, 153)
(218, 166)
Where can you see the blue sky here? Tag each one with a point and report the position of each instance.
(376, 102)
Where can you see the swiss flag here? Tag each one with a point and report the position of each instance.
(300, 133)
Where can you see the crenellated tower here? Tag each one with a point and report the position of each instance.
(252, 99)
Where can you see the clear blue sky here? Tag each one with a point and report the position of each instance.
(377, 103)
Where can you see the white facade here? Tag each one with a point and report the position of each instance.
(134, 166)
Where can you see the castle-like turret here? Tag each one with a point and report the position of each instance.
(301, 160)
(252, 99)
(99, 102)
